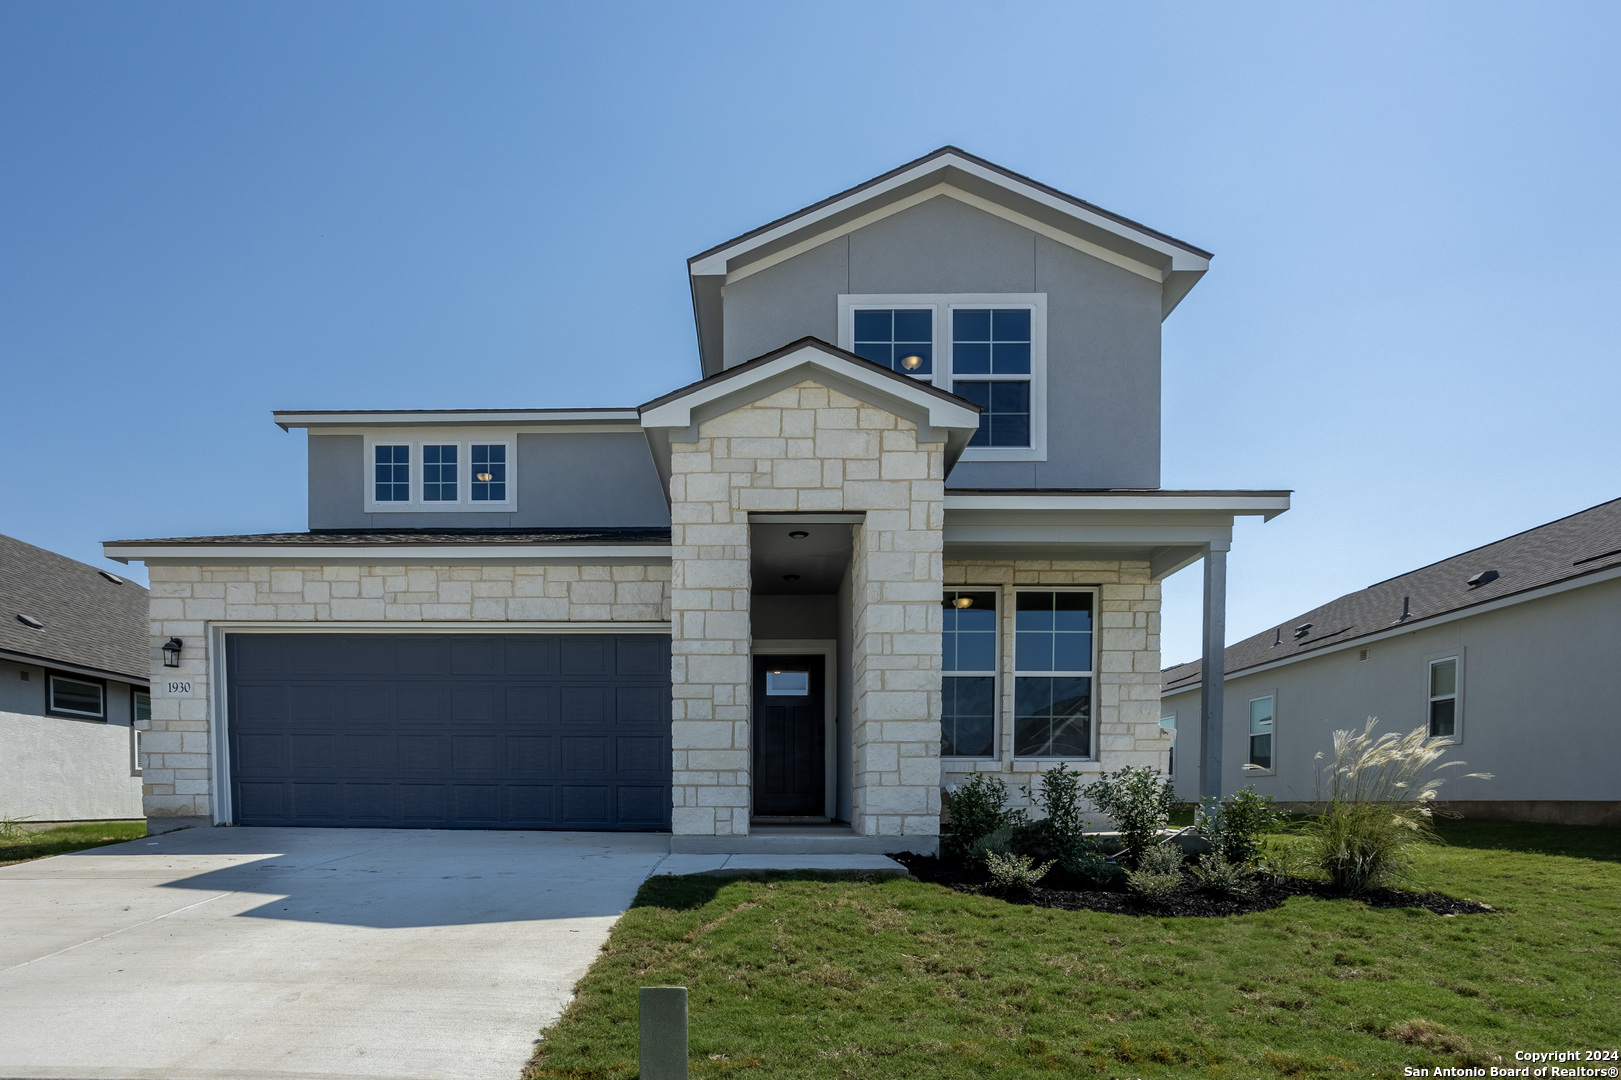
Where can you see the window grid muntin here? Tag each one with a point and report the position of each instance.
(439, 468)
(1003, 388)
(969, 697)
(67, 709)
(1263, 714)
(487, 459)
(1443, 704)
(903, 338)
(391, 472)
(1055, 680)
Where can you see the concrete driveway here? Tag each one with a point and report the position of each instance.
(251, 954)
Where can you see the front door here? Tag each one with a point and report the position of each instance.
(789, 720)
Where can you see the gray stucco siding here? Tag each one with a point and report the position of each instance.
(1537, 711)
(564, 479)
(942, 246)
(794, 299)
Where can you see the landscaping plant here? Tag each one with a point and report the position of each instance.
(1015, 871)
(1139, 801)
(1234, 826)
(1059, 836)
(1379, 805)
(1217, 875)
(974, 811)
(1159, 870)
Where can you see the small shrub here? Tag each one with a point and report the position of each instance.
(997, 843)
(1161, 859)
(1235, 825)
(1217, 875)
(1378, 806)
(975, 810)
(1014, 871)
(1152, 887)
(1139, 801)
(1059, 836)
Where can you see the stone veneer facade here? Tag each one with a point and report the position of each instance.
(176, 750)
(1126, 687)
(809, 449)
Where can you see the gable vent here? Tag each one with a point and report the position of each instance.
(1485, 577)
(29, 620)
(1363, 655)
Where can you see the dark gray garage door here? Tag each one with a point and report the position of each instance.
(462, 731)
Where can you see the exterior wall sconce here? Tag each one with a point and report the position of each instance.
(171, 652)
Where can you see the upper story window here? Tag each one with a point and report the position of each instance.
(988, 348)
(77, 697)
(391, 473)
(1052, 674)
(438, 475)
(968, 707)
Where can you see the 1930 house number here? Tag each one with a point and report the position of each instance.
(179, 688)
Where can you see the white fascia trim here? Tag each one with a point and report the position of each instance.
(942, 414)
(525, 417)
(1177, 257)
(1362, 642)
(417, 554)
(1267, 506)
(48, 664)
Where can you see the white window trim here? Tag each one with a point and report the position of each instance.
(942, 304)
(1170, 733)
(1430, 660)
(76, 714)
(464, 442)
(995, 675)
(1014, 673)
(1255, 770)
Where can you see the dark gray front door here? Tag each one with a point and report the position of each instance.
(450, 731)
(789, 721)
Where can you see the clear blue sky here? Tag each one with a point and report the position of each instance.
(208, 211)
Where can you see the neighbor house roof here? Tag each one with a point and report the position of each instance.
(1174, 264)
(89, 620)
(1581, 546)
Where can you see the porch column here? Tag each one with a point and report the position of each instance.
(1213, 668)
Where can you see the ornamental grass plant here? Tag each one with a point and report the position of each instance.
(1378, 806)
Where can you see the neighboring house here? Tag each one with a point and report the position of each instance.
(73, 688)
(1506, 651)
(907, 526)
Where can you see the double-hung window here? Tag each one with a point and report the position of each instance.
(990, 348)
(78, 698)
(968, 642)
(1261, 716)
(472, 473)
(1168, 725)
(1052, 674)
(1444, 698)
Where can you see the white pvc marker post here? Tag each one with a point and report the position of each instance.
(663, 1030)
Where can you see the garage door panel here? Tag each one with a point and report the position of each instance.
(450, 730)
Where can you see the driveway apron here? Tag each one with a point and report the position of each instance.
(260, 954)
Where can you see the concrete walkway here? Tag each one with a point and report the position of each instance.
(267, 954)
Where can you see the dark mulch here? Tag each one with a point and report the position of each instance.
(1072, 894)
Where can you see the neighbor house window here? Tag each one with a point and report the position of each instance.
(992, 345)
(1444, 698)
(900, 339)
(391, 467)
(1168, 725)
(140, 702)
(1052, 674)
(968, 642)
(439, 473)
(1261, 712)
(76, 697)
(489, 472)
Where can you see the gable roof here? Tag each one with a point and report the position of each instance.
(1569, 550)
(941, 416)
(89, 622)
(1175, 264)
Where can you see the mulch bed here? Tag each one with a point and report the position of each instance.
(1058, 891)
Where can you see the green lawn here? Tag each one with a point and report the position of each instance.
(21, 846)
(805, 977)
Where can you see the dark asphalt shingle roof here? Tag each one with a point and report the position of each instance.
(1572, 547)
(87, 620)
(378, 537)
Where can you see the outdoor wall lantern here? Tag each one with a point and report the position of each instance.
(171, 652)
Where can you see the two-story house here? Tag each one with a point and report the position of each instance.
(905, 527)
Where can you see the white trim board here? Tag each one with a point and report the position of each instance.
(390, 554)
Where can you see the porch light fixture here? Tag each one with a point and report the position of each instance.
(790, 577)
(171, 652)
(912, 363)
(963, 602)
(798, 534)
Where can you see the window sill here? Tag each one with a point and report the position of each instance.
(55, 715)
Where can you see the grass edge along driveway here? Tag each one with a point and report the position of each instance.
(23, 846)
(818, 976)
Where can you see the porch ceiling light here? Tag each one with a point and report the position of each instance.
(798, 534)
(964, 601)
(171, 652)
(790, 577)
(912, 363)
